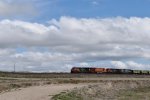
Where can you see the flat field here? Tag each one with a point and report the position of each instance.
(66, 86)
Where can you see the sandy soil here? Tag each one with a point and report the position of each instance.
(38, 92)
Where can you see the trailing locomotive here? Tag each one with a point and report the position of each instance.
(107, 70)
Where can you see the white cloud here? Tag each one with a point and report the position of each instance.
(83, 64)
(95, 3)
(16, 7)
(69, 40)
(119, 64)
(130, 65)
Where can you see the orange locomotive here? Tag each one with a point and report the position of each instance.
(88, 70)
(104, 70)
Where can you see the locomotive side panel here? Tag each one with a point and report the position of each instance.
(144, 72)
(126, 71)
(137, 72)
(92, 70)
(75, 70)
(109, 70)
(100, 70)
(84, 70)
(113, 71)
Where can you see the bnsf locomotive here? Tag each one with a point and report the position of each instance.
(107, 70)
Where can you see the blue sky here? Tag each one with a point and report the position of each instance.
(95, 8)
(48, 9)
(55, 35)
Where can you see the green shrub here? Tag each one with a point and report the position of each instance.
(67, 96)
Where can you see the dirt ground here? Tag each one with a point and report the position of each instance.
(44, 88)
(38, 92)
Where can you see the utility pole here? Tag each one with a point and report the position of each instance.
(14, 67)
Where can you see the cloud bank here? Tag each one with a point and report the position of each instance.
(61, 44)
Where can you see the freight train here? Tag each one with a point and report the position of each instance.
(107, 70)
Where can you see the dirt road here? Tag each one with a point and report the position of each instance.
(38, 92)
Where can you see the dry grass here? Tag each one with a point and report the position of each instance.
(107, 86)
(109, 90)
(66, 75)
(141, 93)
